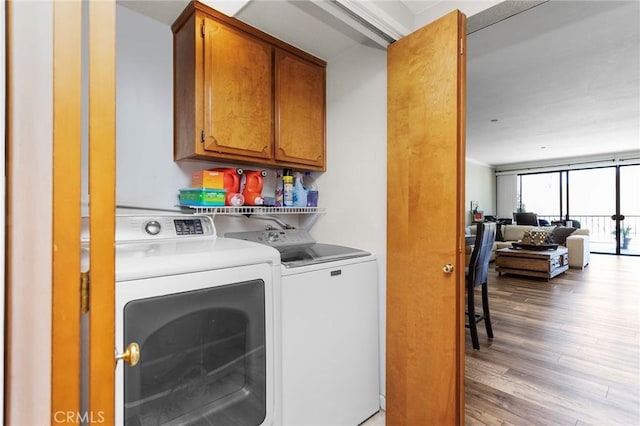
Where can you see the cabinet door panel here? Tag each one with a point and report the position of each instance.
(238, 94)
(300, 100)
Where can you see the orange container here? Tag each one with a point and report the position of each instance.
(252, 190)
(207, 179)
(231, 179)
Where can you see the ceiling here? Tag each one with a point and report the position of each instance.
(559, 80)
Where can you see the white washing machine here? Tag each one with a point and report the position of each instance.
(201, 310)
(327, 330)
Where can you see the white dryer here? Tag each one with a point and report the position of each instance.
(200, 308)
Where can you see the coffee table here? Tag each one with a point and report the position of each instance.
(532, 263)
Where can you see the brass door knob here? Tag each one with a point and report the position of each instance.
(131, 355)
(448, 268)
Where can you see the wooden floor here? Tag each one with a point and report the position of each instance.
(564, 352)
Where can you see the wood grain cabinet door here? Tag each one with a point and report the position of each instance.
(300, 111)
(238, 92)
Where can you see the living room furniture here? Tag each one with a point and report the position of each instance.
(526, 218)
(532, 263)
(577, 242)
(476, 275)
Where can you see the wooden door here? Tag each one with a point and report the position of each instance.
(300, 110)
(102, 184)
(425, 222)
(53, 394)
(238, 92)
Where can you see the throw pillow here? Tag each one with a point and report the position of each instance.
(561, 233)
(499, 236)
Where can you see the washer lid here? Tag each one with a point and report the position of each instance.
(296, 256)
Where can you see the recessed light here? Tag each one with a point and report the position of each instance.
(494, 120)
(543, 147)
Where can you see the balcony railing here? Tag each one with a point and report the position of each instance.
(602, 231)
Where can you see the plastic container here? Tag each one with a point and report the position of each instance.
(252, 189)
(210, 179)
(231, 182)
(312, 197)
(299, 193)
(288, 191)
(202, 197)
(234, 199)
(279, 192)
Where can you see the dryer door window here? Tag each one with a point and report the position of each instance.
(202, 357)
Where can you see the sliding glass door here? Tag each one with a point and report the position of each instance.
(629, 211)
(592, 202)
(604, 200)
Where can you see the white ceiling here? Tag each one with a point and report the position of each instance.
(562, 79)
(563, 75)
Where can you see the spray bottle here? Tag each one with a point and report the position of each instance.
(299, 193)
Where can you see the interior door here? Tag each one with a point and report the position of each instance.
(425, 222)
(102, 182)
(44, 359)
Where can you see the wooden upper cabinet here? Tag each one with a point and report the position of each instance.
(300, 107)
(238, 94)
(242, 96)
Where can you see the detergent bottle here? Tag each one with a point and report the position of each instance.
(252, 190)
(299, 193)
(232, 177)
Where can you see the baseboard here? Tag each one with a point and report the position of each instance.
(383, 403)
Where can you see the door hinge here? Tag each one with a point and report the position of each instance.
(461, 46)
(201, 136)
(84, 292)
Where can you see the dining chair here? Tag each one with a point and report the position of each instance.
(476, 275)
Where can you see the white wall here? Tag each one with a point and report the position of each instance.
(146, 175)
(353, 189)
(28, 375)
(480, 186)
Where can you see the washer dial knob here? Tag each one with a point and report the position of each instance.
(153, 227)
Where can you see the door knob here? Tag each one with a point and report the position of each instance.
(131, 355)
(448, 268)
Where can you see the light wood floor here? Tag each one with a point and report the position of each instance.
(564, 352)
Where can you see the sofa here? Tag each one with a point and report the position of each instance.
(575, 240)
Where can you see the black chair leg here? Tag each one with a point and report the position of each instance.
(485, 310)
(473, 329)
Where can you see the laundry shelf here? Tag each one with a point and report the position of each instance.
(255, 210)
